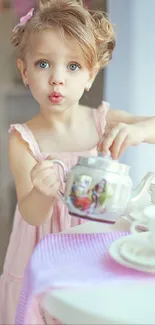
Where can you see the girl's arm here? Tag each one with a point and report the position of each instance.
(117, 116)
(124, 130)
(147, 124)
(34, 206)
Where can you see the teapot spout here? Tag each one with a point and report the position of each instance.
(142, 188)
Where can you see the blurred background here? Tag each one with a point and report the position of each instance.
(128, 83)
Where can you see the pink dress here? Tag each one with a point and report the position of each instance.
(24, 237)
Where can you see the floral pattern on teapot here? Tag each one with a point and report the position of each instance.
(98, 188)
(87, 197)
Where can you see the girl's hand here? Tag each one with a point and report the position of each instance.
(44, 178)
(120, 137)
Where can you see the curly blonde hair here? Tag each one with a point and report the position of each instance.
(91, 29)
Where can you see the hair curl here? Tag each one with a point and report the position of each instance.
(91, 29)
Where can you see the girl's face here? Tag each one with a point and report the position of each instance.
(55, 70)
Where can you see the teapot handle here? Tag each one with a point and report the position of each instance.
(144, 186)
(59, 162)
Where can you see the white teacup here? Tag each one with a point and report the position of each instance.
(148, 221)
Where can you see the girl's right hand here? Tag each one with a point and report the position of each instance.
(44, 178)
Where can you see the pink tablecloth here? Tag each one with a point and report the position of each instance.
(69, 260)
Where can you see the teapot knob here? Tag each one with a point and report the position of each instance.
(105, 155)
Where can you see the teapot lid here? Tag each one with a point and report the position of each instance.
(104, 162)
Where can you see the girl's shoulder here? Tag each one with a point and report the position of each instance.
(102, 109)
(21, 136)
(99, 115)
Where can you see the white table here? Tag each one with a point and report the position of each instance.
(132, 303)
(81, 306)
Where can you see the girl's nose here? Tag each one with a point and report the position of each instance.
(57, 78)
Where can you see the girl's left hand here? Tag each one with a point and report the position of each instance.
(120, 137)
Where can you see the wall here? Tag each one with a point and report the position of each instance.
(16, 105)
(130, 78)
(95, 95)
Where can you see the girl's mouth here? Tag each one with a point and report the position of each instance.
(56, 97)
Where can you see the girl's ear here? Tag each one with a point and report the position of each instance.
(93, 75)
(22, 68)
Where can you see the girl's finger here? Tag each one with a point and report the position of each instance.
(109, 139)
(50, 181)
(100, 146)
(124, 146)
(46, 164)
(117, 144)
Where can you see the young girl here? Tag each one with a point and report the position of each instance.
(61, 46)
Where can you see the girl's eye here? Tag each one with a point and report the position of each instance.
(43, 64)
(74, 66)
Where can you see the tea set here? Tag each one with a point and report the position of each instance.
(137, 251)
(99, 188)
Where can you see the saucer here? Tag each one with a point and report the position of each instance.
(138, 252)
(115, 253)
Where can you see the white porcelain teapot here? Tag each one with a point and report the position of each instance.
(99, 188)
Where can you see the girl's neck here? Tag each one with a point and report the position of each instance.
(57, 120)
